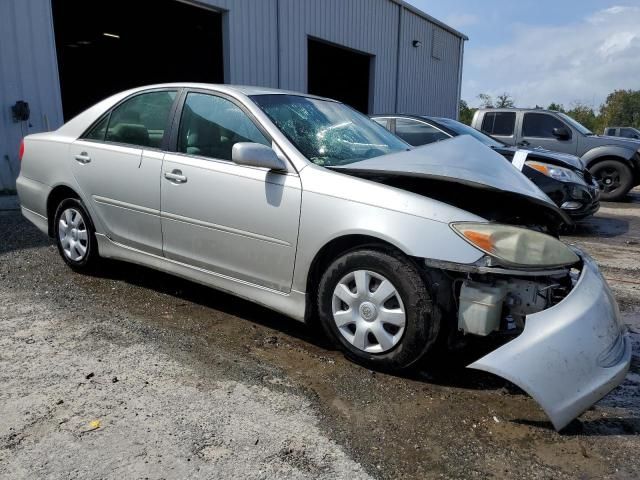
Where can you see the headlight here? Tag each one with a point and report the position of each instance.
(516, 246)
(558, 173)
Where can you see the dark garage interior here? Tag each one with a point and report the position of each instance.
(106, 47)
(339, 73)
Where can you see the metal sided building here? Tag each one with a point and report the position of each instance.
(61, 56)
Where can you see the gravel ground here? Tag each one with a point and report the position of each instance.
(137, 374)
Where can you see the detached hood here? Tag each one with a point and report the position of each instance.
(487, 183)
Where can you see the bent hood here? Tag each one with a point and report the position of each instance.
(486, 183)
(461, 160)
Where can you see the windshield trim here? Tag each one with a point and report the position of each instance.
(574, 123)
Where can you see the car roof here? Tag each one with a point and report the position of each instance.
(243, 89)
(403, 115)
(514, 109)
(427, 118)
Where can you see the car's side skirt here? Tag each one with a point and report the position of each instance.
(291, 304)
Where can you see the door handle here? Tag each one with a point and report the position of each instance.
(175, 176)
(83, 158)
(524, 143)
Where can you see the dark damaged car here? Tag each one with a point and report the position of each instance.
(562, 177)
(310, 208)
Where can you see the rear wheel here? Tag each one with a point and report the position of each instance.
(614, 177)
(375, 306)
(74, 235)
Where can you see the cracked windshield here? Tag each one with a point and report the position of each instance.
(328, 133)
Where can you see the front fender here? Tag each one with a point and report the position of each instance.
(326, 218)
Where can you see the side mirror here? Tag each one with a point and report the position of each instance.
(256, 155)
(561, 133)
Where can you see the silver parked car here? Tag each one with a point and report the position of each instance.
(308, 207)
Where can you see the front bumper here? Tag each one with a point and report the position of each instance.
(571, 355)
(588, 196)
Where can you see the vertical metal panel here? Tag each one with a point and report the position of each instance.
(363, 25)
(428, 85)
(251, 41)
(29, 72)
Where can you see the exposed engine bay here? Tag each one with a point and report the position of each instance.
(493, 304)
(493, 301)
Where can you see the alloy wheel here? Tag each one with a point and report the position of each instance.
(609, 179)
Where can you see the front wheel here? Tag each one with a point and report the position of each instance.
(614, 177)
(75, 236)
(376, 307)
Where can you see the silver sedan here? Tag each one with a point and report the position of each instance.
(303, 205)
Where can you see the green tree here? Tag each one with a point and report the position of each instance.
(558, 107)
(466, 112)
(504, 101)
(621, 108)
(585, 115)
(485, 100)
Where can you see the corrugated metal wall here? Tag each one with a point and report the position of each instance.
(252, 40)
(428, 85)
(265, 44)
(29, 72)
(370, 27)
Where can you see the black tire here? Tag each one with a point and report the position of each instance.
(89, 261)
(614, 177)
(422, 322)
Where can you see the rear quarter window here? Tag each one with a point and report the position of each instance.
(499, 123)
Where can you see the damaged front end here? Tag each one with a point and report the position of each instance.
(568, 345)
(466, 174)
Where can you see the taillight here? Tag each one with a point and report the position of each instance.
(21, 152)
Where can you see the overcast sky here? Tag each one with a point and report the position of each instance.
(543, 51)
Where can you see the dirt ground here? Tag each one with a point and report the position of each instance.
(137, 374)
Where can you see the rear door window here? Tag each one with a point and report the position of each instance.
(629, 133)
(499, 123)
(611, 132)
(418, 133)
(141, 120)
(99, 130)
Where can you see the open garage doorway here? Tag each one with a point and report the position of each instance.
(108, 46)
(339, 73)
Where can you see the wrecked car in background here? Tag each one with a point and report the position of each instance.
(310, 208)
(561, 176)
